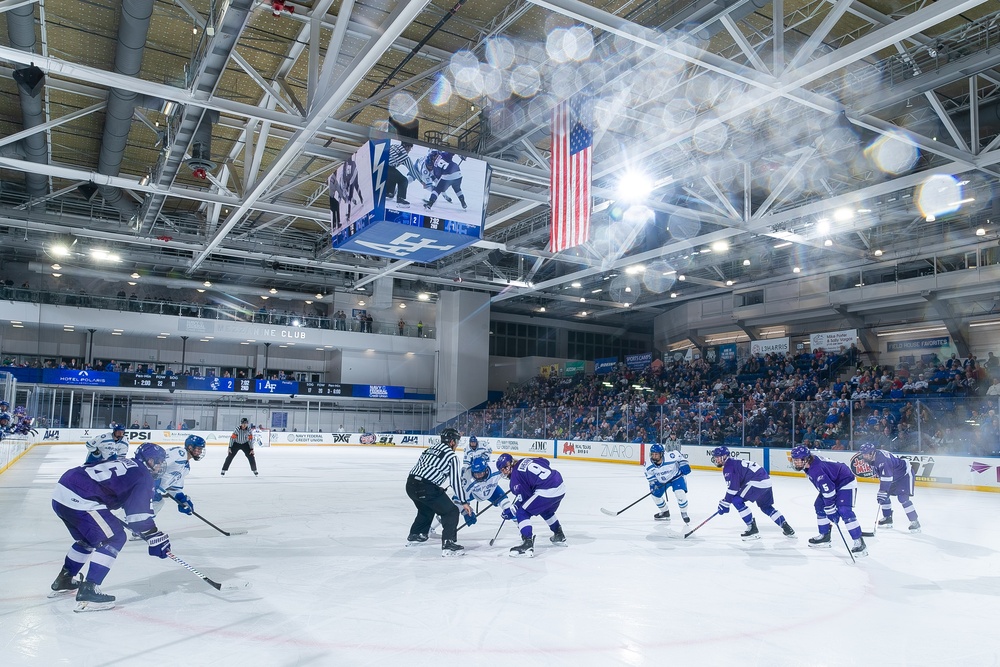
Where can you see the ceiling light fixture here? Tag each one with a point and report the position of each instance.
(783, 244)
(318, 296)
(273, 291)
(577, 284)
(134, 276)
(207, 283)
(981, 232)
(828, 242)
(402, 305)
(424, 296)
(265, 297)
(878, 253)
(746, 262)
(796, 270)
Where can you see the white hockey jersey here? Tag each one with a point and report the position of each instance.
(480, 452)
(486, 490)
(175, 469)
(104, 447)
(674, 464)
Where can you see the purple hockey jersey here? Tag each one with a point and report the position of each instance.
(889, 468)
(741, 476)
(830, 476)
(531, 479)
(122, 484)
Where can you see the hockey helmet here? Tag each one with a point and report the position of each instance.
(504, 463)
(116, 427)
(450, 437)
(195, 445)
(800, 457)
(473, 442)
(152, 456)
(479, 468)
(719, 456)
(658, 450)
(868, 451)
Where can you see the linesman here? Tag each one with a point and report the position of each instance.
(437, 468)
(241, 441)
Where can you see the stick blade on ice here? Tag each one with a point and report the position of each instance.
(235, 585)
(237, 532)
(609, 512)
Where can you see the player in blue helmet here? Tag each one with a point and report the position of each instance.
(475, 450)
(195, 445)
(719, 456)
(6, 422)
(895, 479)
(666, 470)
(480, 469)
(108, 446)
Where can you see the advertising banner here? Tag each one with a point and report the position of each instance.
(918, 344)
(524, 446)
(832, 341)
(611, 452)
(769, 346)
(605, 365)
(429, 204)
(575, 367)
(164, 438)
(701, 456)
(638, 362)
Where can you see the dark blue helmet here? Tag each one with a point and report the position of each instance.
(151, 455)
(5, 415)
(480, 469)
(195, 442)
(656, 449)
(503, 461)
(868, 448)
(473, 442)
(115, 426)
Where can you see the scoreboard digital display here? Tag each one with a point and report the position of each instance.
(324, 389)
(151, 381)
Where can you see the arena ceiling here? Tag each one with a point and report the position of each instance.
(193, 138)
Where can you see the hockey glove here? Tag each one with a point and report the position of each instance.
(184, 503)
(723, 507)
(470, 518)
(508, 515)
(685, 468)
(831, 511)
(883, 498)
(158, 494)
(159, 543)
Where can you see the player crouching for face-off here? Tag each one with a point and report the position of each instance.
(83, 499)
(835, 501)
(536, 490)
(747, 482)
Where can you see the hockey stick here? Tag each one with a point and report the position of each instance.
(610, 513)
(878, 513)
(478, 513)
(498, 532)
(234, 585)
(227, 534)
(690, 532)
(844, 539)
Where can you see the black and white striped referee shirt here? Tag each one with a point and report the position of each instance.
(438, 464)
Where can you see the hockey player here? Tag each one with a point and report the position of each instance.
(536, 490)
(666, 470)
(171, 478)
(895, 479)
(836, 485)
(83, 499)
(483, 485)
(476, 451)
(108, 446)
(6, 423)
(747, 482)
(446, 173)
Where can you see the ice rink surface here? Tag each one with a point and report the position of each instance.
(333, 583)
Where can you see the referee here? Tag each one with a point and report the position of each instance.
(436, 469)
(241, 441)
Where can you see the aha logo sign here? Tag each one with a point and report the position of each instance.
(410, 440)
(51, 435)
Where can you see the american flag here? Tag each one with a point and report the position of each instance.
(572, 141)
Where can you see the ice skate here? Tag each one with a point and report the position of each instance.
(662, 516)
(914, 526)
(686, 518)
(886, 522)
(751, 533)
(452, 548)
(821, 541)
(859, 548)
(90, 598)
(402, 202)
(525, 549)
(64, 583)
(787, 530)
(415, 538)
(558, 538)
